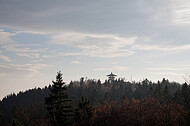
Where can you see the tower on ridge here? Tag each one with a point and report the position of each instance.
(111, 76)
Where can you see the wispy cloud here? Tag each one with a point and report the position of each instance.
(5, 37)
(8, 44)
(30, 55)
(22, 70)
(22, 48)
(167, 73)
(92, 45)
(181, 12)
(161, 48)
(170, 67)
(113, 68)
(95, 45)
(28, 50)
(5, 58)
(75, 62)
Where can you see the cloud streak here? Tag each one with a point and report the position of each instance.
(5, 58)
(75, 62)
(161, 48)
(181, 12)
(167, 73)
(22, 48)
(22, 70)
(95, 45)
(168, 69)
(5, 37)
(113, 68)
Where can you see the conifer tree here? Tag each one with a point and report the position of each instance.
(58, 105)
(166, 90)
(84, 113)
(186, 94)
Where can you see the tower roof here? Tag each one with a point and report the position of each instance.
(111, 75)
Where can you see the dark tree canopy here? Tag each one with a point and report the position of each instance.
(119, 99)
(57, 103)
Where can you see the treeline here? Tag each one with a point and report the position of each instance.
(91, 102)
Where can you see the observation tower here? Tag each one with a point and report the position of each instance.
(111, 76)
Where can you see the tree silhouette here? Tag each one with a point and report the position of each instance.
(58, 105)
(84, 113)
(186, 94)
(28, 107)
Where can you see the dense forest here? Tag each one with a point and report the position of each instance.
(92, 102)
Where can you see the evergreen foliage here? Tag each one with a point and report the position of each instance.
(84, 112)
(58, 105)
(30, 114)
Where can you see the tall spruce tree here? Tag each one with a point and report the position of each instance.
(58, 105)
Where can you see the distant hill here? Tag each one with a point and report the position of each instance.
(96, 91)
(29, 97)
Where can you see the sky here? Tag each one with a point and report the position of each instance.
(134, 39)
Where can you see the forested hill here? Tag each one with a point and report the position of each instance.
(32, 101)
(29, 97)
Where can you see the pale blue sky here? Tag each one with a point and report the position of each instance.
(91, 38)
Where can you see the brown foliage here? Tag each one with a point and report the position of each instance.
(146, 112)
